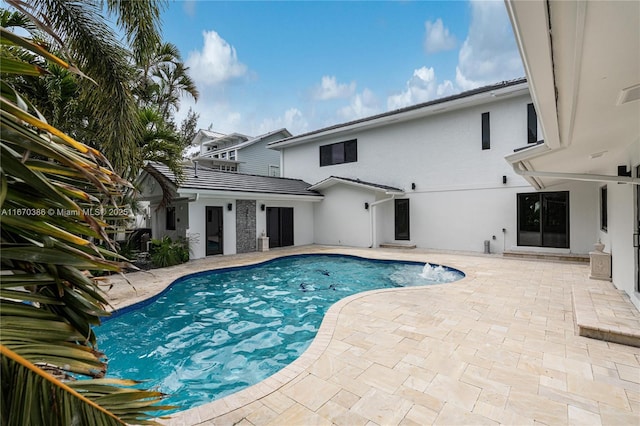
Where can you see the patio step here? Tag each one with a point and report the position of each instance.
(397, 246)
(605, 313)
(558, 257)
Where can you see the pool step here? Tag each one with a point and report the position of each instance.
(397, 246)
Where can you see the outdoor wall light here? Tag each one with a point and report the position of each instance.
(413, 186)
(262, 207)
(366, 206)
(504, 179)
(229, 206)
(622, 171)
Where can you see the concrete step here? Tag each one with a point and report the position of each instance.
(605, 313)
(558, 257)
(397, 246)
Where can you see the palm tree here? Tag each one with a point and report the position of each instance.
(163, 79)
(83, 34)
(56, 195)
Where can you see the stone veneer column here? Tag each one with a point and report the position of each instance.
(245, 226)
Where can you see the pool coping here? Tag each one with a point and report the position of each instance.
(319, 343)
(284, 376)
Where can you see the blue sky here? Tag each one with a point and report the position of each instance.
(303, 65)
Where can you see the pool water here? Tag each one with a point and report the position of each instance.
(214, 333)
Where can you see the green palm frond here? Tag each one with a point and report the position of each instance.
(57, 197)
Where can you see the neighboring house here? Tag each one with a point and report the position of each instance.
(434, 175)
(236, 152)
(226, 212)
(585, 82)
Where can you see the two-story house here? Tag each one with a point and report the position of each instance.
(434, 175)
(240, 153)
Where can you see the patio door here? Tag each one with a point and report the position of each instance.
(280, 226)
(213, 220)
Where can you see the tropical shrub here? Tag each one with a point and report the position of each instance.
(56, 198)
(165, 252)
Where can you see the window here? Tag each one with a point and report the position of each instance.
(274, 170)
(532, 124)
(171, 219)
(223, 155)
(402, 219)
(543, 219)
(603, 208)
(339, 153)
(486, 131)
(232, 155)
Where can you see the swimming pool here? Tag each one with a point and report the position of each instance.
(216, 332)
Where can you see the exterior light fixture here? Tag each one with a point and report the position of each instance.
(262, 207)
(622, 171)
(366, 206)
(229, 206)
(504, 179)
(413, 186)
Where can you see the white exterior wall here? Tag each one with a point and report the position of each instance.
(459, 200)
(622, 225)
(197, 225)
(341, 219)
(302, 222)
(440, 151)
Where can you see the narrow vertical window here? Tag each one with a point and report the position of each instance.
(486, 133)
(171, 219)
(532, 124)
(603, 208)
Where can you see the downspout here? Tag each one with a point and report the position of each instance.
(371, 224)
(520, 169)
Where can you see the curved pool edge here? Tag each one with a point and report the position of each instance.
(115, 313)
(295, 370)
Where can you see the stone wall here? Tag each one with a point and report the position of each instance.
(245, 226)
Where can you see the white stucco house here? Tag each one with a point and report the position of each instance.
(582, 60)
(240, 153)
(223, 212)
(434, 175)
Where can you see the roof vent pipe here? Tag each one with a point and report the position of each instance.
(195, 170)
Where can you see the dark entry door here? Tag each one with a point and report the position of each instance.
(280, 226)
(214, 230)
(402, 219)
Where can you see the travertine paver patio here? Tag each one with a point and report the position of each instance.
(498, 347)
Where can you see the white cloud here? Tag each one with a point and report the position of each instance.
(489, 54)
(362, 105)
(217, 63)
(330, 89)
(189, 7)
(421, 87)
(437, 37)
(292, 119)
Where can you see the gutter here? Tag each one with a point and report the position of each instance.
(521, 169)
(371, 224)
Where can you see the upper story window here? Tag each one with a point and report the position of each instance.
(232, 155)
(486, 131)
(339, 153)
(223, 155)
(532, 124)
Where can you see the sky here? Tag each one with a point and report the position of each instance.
(304, 65)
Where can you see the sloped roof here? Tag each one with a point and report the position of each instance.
(332, 180)
(217, 180)
(431, 107)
